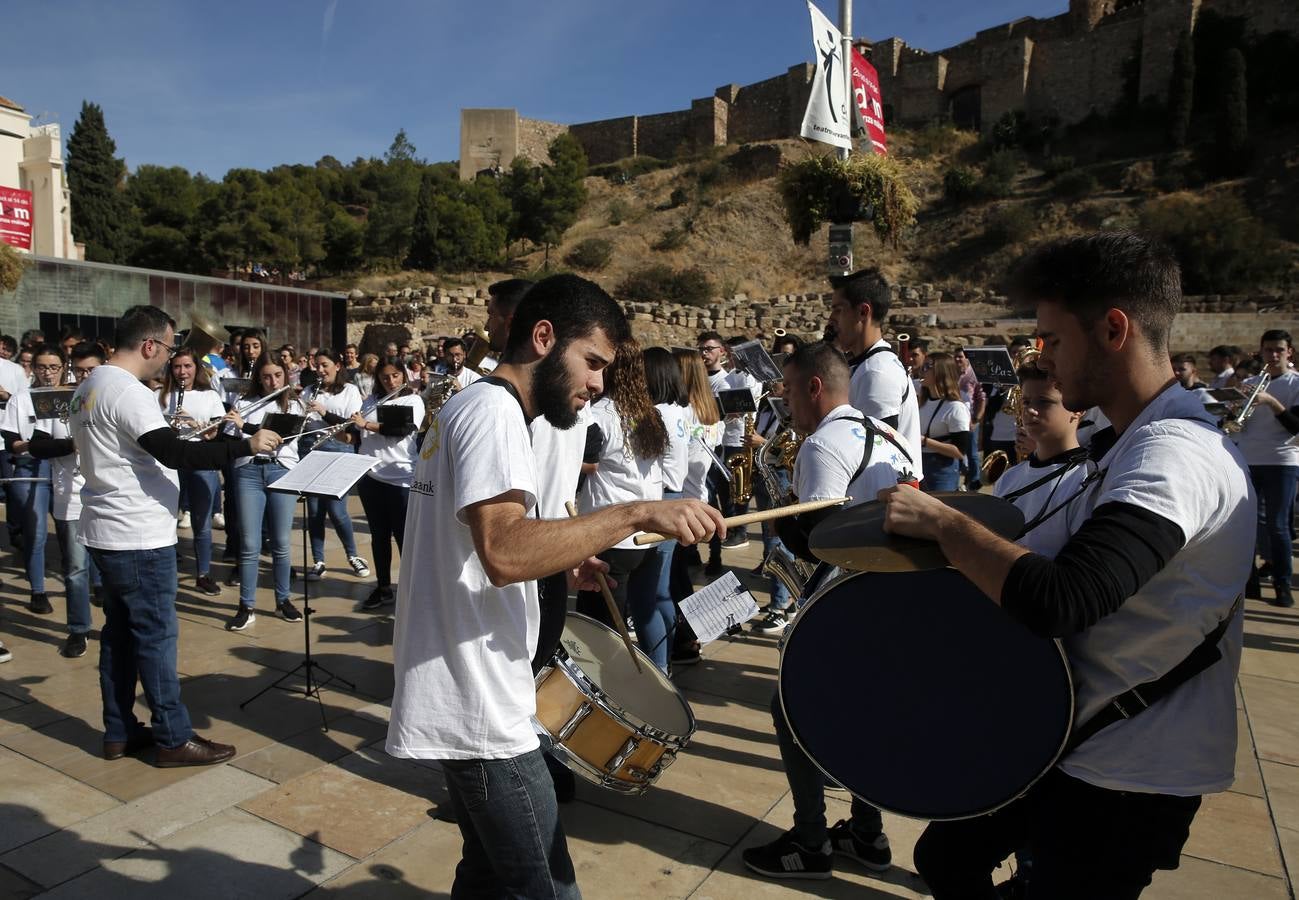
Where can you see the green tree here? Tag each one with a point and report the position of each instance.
(423, 253)
(101, 214)
(546, 200)
(1233, 128)
(1181, 92)
(344, 242)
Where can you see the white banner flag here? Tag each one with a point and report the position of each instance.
(827, 117)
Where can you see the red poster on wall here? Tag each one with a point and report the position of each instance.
(16, 218)
(870, 102)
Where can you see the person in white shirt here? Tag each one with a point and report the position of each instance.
(1186, 372)
(733, 438)
(52, 440)
(13, 381)
(453, 363)
(188, 402)
(1273, 461)
(32, 496)
(845, 454)
(1222, 362)
(712, 350)
(1147, 581)
(333, 401)
(881, 386)
(466, 621)
(945, 424)
(128, 456)
(385, 489)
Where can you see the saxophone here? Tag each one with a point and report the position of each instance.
(741, 466)
(779, 563)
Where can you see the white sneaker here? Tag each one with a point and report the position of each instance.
(219, 521)
(359, 566)
(183, 522)
(316, 572)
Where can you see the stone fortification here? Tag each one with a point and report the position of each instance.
(1091, 59)
(946, 318)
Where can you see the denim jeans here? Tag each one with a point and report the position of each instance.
(138, 642)
(319, 507)
(251, 483)
(33, 502)
(202, 486)
(807, 789)
(77, 566)
(780, 598)
(13, 515)
(514, 844)
(230, 505)
(973, 462)
(385, 511)
(719, 495)
(942, 473)
(650, 600)
(1275, 486)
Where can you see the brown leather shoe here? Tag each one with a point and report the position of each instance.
(141, 740)
(197, 751)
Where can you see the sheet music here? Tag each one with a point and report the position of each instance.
(718, 607)
(327, 474)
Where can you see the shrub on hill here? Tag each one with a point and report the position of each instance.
(1219, 243)
(590, 255)
(663, 284)
(1074, 184)
(960, 184)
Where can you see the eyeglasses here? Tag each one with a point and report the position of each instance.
(83, 371)
(710, 348)
(171, 351)
(41, 367)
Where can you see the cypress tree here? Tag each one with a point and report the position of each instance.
(1181, 92)
(1233, 129)
(101, 213)
(423, 251)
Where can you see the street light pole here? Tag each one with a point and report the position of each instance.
(845, 28)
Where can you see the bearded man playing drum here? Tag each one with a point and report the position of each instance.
(1145, 584)
(845, 454)
(467, 613)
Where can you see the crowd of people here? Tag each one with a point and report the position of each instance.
(1137, 496)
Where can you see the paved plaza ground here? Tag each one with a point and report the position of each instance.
(305, 812)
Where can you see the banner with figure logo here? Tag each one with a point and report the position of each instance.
(16, 218)
(827, 116)
(869, 101)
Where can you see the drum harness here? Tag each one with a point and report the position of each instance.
(1143, 696)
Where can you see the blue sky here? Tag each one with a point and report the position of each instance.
(211, 86)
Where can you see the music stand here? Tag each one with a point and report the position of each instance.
(329, 476)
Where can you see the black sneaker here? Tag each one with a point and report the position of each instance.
(787, 858)
(687, 655)
(736, 540)
(40, 604)
(287, 611)
(873, 853)
(74, 646)
(378, 597)
(241, 620)
(232, 580)
(206, 585)
(714, 568)
(774, 622)
(1283, 597)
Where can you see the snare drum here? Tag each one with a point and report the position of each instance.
(612, 725)
(921, 696)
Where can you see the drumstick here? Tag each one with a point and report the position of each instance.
(762, 515)
(617, 617)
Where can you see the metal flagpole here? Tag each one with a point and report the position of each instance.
(845, 28)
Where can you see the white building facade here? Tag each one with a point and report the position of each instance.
(31, 159)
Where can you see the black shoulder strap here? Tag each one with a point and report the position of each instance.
(870, 444)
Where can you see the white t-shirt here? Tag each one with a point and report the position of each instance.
(676, 461)
(620, 476)
(287, 453)
(1263, 441)
(1093, 420)
(13, 380)
(19, 415)
(396, 455)
(129, 498)
(466, 377)
(343, 404)
(881, 388)
(1053, 533)
(1220, 380)
(1003, 424)
(1173, 462)
(831, 455)
(733, 434)
(201, 406)
(66, 480)
(704, 438)
(941, 418)
(462, 649)
(559, 463)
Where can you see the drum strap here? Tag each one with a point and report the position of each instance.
(1144, 696)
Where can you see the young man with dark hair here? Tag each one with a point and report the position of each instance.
(8, 347)
(1222, 362)
(712, 347)
(1185, 372)
(1142, 593)
(881, 387)
(733, 437)
(1273, 461)
(453, 361)
(467, 608)
(128, 456)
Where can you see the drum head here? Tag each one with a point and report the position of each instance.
(920, 696)
(854, 538)
(648, 695)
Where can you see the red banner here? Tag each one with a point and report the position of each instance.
(16, 218)
(870, 102)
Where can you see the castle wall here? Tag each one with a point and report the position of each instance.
(535, 137)
(1164, 23)
(660, 136)
(1261, 18)
(1075, 76)
(488, 137)
(1005, 67)
(769, 109)
(608, 140)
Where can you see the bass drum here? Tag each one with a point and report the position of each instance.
(921, 697)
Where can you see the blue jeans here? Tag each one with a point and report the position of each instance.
(942, 473)
(202, 485)
(780, 598)
(807, 790)
(253, 499)
(385, 510)
(973, 462)
(33, 502)
(230, 505)
(319, 507)
(650, 600)
(77, 566)
(138, 642)
(1275, 486)
(514, 844)
(13, 516)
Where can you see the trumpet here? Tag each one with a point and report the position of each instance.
(1235, 424)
